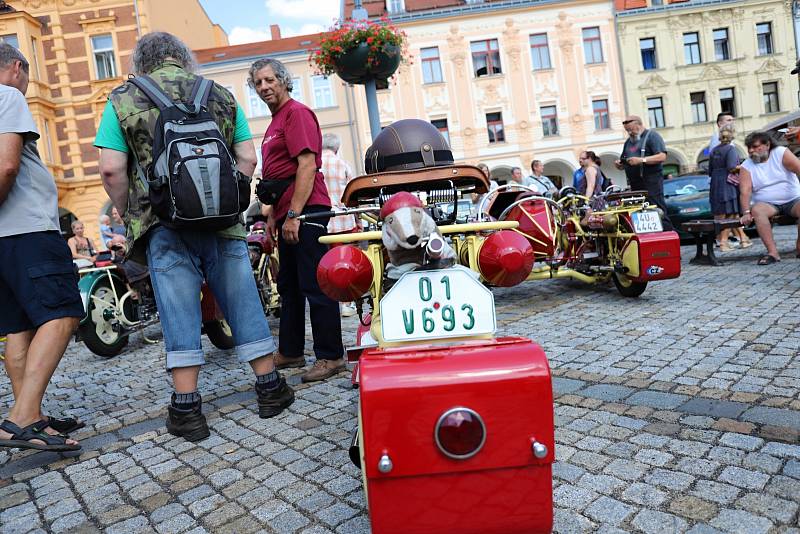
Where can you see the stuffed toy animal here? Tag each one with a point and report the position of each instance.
(408, 231)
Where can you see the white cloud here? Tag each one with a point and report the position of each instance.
(305, 29)
(323, 11)
(241, 35)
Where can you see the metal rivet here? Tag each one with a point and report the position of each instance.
(539, 450)
(374, 180)
(426, 147)
(385, 464)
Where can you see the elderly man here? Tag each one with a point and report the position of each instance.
(180, 259)
(39, 300)
(538, 181)
(769, 179)
(292, 155)
(516, 176)
(642, 157)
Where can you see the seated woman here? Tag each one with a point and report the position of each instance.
(83, 251)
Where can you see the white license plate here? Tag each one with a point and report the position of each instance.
(437, 304)
(645, 222)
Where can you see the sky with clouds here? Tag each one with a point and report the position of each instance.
(247, 21)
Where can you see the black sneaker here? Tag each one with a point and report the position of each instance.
(271, 403)
(191, 426)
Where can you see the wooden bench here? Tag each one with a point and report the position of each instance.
(705, 231)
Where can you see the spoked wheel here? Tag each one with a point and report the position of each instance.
(627, 287)
(219, 333)
(98, 333)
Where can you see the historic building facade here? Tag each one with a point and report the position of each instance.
(79, 50)
(332, 100)
(683, 63)
(509, 83)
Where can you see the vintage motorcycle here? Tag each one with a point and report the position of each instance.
(119, 301)
(264, 261)
(439, 445)
(615, 236)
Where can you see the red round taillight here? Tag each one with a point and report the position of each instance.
(460, 433)
(344, 273)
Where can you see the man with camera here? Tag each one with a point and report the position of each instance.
(642, 157)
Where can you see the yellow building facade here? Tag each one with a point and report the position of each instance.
(684, 63)
(79, 50)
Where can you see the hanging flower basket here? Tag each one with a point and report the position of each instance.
(360, 51)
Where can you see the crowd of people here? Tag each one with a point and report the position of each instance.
(302, 173)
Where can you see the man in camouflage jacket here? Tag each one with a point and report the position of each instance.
(179, 260)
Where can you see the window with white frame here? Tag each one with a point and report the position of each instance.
(103, 50)
(297, 89)
(600, 113)
(255, 106)
(698, 102)
(10, 38)
(655, 112)
(592, 45)
(540, 51)
(395, 6)
(647, 47)
(764, 38)
(323, 92)
(431, 65)
(691, 48)
(549, 120)
(35, 58)
(721, 50)
(771, 102)
(727, 101)
(485, 57)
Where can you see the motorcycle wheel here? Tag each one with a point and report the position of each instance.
(97, 333)
(627, 287)
(219, 333)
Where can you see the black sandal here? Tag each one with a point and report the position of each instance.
(22, 438)
(64, 425)
(767, 259)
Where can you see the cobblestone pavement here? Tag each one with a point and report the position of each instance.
(675, 412)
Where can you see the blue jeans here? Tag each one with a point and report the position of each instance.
(179, 261)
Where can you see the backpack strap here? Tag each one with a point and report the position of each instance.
(152, 91)
(200, 93)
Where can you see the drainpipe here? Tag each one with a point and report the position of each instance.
(619, 58)
(354, 137)
(136, 12)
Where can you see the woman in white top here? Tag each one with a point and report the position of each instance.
(769, 179)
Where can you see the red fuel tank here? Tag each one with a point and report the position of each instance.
(659, 256)
(458, 438)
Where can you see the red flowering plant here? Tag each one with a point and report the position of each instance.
(381, 38)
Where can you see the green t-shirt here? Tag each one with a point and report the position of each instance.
(109, 135)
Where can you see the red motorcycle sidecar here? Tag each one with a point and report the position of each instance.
(457, 438)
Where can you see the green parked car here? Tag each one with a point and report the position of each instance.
(687, 199)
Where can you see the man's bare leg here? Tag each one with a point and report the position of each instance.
(16, 356)
(761, 213)
(43, 355)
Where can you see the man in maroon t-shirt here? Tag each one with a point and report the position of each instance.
(292, 150)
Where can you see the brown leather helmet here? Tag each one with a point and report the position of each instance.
(408, 144)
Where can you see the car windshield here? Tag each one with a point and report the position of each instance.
(688, 185)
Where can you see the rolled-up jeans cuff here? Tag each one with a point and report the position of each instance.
(256, 349)
(184, 358)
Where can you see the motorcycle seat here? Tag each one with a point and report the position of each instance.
(366, 189)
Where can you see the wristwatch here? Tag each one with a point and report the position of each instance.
(291, 214)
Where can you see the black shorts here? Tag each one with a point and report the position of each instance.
(38, 282)
(785, 209)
